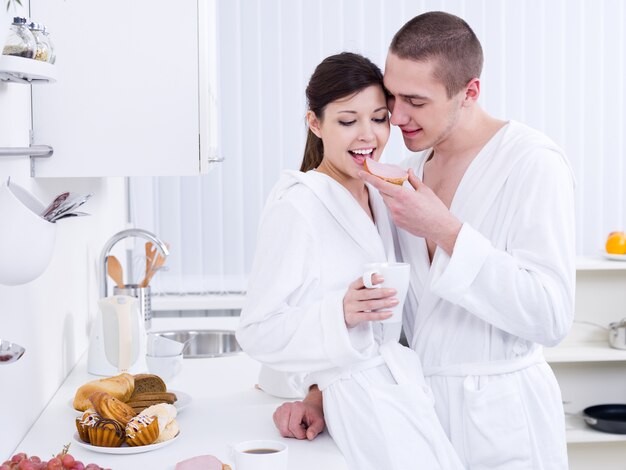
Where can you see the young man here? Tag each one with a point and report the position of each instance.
(488, 228)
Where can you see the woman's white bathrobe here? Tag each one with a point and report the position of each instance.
(478, 318)
(314, 240)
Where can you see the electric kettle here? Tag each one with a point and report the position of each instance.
(117, 342)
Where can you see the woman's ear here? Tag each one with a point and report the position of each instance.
(314, 123)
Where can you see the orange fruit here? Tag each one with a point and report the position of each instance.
(616, 243)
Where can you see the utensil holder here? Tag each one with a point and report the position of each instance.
(26, 238)
(144, 297)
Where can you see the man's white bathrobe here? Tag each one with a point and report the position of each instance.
(314, 240)
(478, 318)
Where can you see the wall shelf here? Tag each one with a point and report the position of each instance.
(577, 432)
(599, 263)
(26, 71)
(584, 352)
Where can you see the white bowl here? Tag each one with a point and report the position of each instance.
(26, 238)
(166, 367)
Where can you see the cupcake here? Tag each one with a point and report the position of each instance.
(106, 433)
(142, 430)
(84, 422)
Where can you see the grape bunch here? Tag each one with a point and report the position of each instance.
(62, 461)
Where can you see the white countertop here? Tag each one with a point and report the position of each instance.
(225, 409)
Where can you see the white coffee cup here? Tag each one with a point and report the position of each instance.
(261, 454)
(396, 276)
(166, 367)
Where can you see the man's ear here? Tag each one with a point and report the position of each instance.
(472, 92)
(314, 123)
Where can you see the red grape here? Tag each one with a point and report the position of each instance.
(17, 458)
(77, 465)
(67, 460)
(55, 464)
(5, 466)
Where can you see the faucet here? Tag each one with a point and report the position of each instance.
(132, 232)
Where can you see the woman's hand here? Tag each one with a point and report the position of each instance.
(301, 419)
(362, 304)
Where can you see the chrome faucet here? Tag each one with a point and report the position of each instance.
(133, 232)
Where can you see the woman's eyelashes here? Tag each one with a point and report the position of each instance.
(378, 120)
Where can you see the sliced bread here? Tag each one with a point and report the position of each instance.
(148, 383)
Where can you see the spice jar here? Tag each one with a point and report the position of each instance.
(42, 52)
(20, 41)
(53, 55)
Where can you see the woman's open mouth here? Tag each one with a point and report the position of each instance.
(359, 155)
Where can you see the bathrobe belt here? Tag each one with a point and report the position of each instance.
(327, 377)
(505, 366)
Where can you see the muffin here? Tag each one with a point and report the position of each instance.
(84, 422)
(106, 433)
(142, 430)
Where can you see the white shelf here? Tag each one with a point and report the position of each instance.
(577, 432)
(598, 263)
(584, 352)
(198, 302)
(28, 71)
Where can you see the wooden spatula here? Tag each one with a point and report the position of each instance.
(114, 269)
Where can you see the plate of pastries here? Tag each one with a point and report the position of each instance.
(126, 414)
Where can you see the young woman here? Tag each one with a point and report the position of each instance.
(307, 310)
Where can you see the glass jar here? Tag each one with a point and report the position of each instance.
(53, 55)
(20, 41)
(42, 52)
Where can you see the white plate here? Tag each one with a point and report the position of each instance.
(182, 402)
(614, 257)
(125, 449)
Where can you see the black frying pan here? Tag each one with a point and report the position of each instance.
(606, 418)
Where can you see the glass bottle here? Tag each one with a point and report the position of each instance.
(53, 55)
(20, 41)
(42, 52)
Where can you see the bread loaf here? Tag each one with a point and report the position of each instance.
(121, 387)
(148, 383)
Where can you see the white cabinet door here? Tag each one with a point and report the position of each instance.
(126, 100)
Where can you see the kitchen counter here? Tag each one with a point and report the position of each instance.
(225, 409)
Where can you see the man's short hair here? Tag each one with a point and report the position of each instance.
(446, 38)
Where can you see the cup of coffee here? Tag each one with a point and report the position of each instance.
(260, 455)
(396, 276)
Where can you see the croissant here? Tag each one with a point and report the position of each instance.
(110, 407)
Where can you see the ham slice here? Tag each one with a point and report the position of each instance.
(391, 173)
(201, 462)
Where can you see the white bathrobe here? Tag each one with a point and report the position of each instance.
(314, 240)
(478, 318)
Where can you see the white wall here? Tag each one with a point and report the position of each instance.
(50, 315)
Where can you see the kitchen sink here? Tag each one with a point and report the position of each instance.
(204, 343)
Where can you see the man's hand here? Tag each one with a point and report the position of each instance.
(301, 419)
(418, 211)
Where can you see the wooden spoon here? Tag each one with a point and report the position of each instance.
(156, 265)
(114, 269)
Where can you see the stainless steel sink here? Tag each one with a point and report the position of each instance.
(205, 343)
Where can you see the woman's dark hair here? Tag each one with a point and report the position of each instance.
(336, 77)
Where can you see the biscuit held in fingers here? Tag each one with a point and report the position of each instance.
(386, 171)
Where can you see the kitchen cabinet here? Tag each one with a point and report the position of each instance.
(132, 95)
(588, 370)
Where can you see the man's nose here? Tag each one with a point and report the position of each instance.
(399, 116)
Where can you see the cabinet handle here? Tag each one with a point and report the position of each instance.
(43, 151)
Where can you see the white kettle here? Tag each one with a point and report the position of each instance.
(117, 342)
